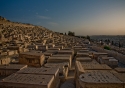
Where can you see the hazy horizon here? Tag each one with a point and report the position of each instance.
(84, 17)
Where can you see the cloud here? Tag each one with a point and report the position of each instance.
(53, 23)
(43, 17)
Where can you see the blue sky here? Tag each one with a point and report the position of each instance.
(84, 17)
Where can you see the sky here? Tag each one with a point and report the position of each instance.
(84, 17)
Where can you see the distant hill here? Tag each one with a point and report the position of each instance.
(10, 31)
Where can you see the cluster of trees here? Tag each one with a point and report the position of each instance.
(71, 33)
(88, 37)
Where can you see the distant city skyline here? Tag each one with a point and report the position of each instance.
(84, 17)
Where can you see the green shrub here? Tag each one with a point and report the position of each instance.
(107, 47)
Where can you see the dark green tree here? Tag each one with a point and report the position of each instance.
(88, 37)
(65, 33)
(71, 33)
(119, 45)
(112, 42)
(107, 47)
(61, 33)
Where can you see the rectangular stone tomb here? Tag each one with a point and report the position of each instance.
(77, 47)
(42, 47)
(27, 81)
(111, 61)
(52, 51)
(6, 70)
(48, 54)
(32, 59)
(40, 71)
(67, 49)
(13, 47)
(90, 62)
(84, 51)
(32, 46)
(62, 67)
(63, 55)
(61, 47)
(54, 59)
(96, 67)
(99, 79)
(79, 54)
(120, 70)
(35, 51)
(104, 59)
(120, 76)
(11, 52)
(79, 69)
(50, 45)
(84, 59)
(4, 60)
(97, 54)
(66, 52)
(43, 71)
(53, 48)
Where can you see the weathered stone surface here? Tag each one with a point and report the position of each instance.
(90, 62)
(84, 59)
(27, 81)
(43, 71)
(71, 52)
(4, 60)
(96, 67)
(79, 69)
(111, 61)
(120, 70)
(63, 67)
(55, 59)
(32, 58)
(6, 70)
(97, 54)
(96, 79)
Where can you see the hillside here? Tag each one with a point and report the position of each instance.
(11, 31)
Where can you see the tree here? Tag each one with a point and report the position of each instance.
(61, 33)
(107, 47)
(65, 33)
(82, 36)
(112, 42)
(71, 33)
(88, 37)
(119, 44)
